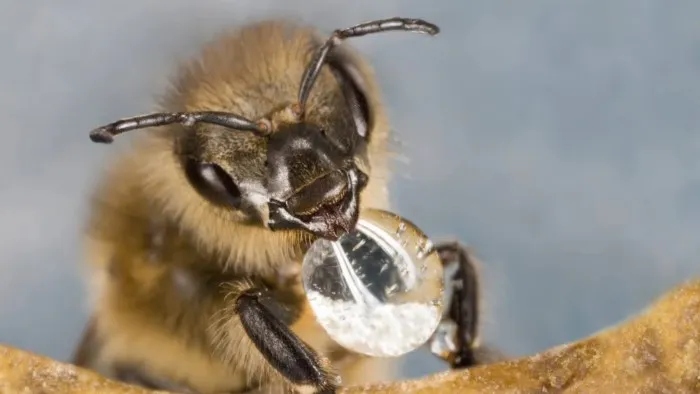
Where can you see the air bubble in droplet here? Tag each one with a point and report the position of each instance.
(371, 290)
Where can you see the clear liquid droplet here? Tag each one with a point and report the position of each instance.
(378, 290)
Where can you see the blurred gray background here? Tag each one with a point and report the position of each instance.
(557, 138)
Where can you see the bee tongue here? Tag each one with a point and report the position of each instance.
(331, 217)
(336, 222)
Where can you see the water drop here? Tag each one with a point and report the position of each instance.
(378, 290)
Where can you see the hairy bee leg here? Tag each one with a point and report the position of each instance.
(282, 349)
(463, 309)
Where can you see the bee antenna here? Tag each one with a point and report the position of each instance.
(311, 73)
(106, 134)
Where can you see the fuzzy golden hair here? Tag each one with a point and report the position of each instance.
(161, 258)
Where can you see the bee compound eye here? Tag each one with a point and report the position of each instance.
(213, 183)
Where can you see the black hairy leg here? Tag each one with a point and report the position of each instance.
(283, 350)
(456, 339)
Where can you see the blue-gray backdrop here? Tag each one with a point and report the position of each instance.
(557, 138)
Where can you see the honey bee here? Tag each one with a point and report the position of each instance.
(197, 231)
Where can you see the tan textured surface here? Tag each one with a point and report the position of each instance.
(25, 373)
(656, 352)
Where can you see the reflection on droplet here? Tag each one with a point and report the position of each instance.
(443, 342)
(377, 290)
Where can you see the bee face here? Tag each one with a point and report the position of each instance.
(305, 163)
(313, 182)
(300, 177)
(306, 173)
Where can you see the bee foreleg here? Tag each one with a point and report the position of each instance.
(462, 317)
(289, 355)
